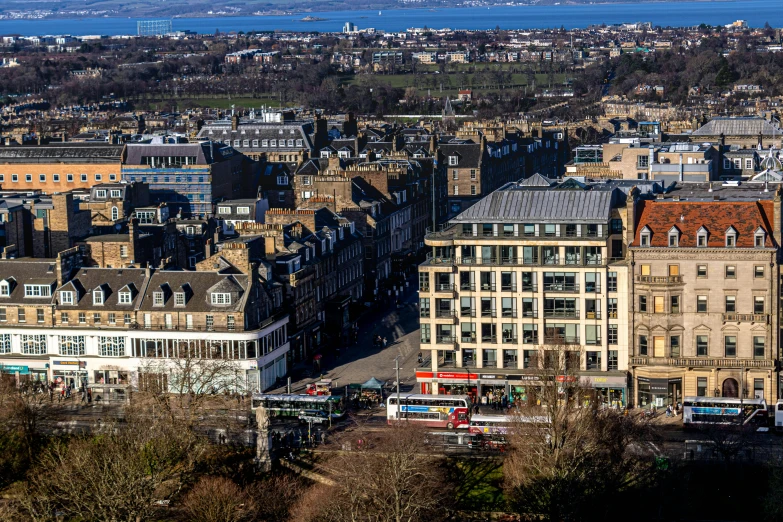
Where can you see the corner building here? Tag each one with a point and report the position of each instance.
(705, 293)
(530, 270)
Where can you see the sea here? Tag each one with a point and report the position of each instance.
(674, 14)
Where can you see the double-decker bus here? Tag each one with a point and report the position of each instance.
(698, 411)
(290, 405)
(438, 411)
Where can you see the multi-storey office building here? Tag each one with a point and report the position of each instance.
(705, 294)
(526, 273)
(63, 322)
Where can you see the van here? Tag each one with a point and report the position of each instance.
(313, 416)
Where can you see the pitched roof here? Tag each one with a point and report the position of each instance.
(540, 206)
(689, 216)
(745, 126)
(112, 280)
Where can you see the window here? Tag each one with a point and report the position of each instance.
(701, 345)
(98, 177)
(230, 324)
(731, 239)
(759, 238)
(642, 345)
(758, 388)
(68, 177)
(33, 344)
(220, 298)
(611, 307)
(454, 174)
(56, 178)
(125, 297)
(96, 318)
(748, 163)
(611, 282)
(66, 297)
(701, 304)
(115, 193)
(674, 270)
(758, 304)
(731, 304)
(64, 318)
(112, 318)
(612, 337)
(674, 238)
(425, 333)
(674, 346)
(758, 272)
(115, 213)
(674, 302)
(243, 211)
(701, 271)
(731, 272)
(82, 318)
(758, 347)
(658, 301)
(593, 360)
(37, 290)
(730, 345)
(5, 343)
(642, 303)
(157, 298)
(39, 313)
(613, 360)
(645, 270)
(84, 178)
(473, 190)
(42, 178)
(28, 178)
(5, 289)
(701, 386)
(100, 193)
(210, 322)
(71, 344)
(111, 346)
(123, 250)
(127, 319)
(643, 161)
(21, 315)
(2, 314)
(97, 297)
(453, 160)
(530, 333)
(179, 299)
(456, 190)
(14, 178)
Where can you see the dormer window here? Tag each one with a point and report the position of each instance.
(453, 160)
(5, 288)
(100, 194)
(125, 297)
(115, 193)
(701, 237)
(220, 298)
(97, 297)
(759, 238)
(179, 299)
(644, 237)
(157, 299)
(674, 237)
(731, 237)
(66, 296)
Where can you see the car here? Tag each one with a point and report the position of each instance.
(313, 416)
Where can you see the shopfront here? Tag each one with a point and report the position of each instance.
(524, 389)
(658, 391)
(493, 388)
(70, 373)
(23, 373)
(610, 390)
(448, 383)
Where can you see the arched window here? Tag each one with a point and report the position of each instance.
(115, 213)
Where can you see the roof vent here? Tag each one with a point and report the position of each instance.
(659, 196)
(676, 198)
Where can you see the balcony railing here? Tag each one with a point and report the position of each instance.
(508, 288)
(529, 288)
(509, 340)
(467, 312)
(745, 318)
(444, 287)
(508, 313)
(468, 363)
(489, 364)
(445, 339)
(658, 280)
(530, 313)
(491, 339)
(487, 287)
(522, 261)
(561, 339)
(529, 339)
(470, 338)
(489, 313)
(467, 287)
(702, 362)
(592, 288)
(593, 342)
(444, 313)
(592, 315)
(446, 363)
(564, 314)
(561, 287)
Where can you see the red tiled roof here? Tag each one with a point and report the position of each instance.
(716, 217)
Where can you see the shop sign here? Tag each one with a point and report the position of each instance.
(9, 368)
(643, 379)
(675, 380)
(606, 382)
(490, 376)
(659, 386)
(449, 375)
(424, 375)
(522, 378)
(566, 378)
(80, 364)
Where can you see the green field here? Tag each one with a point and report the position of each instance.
(452, 82)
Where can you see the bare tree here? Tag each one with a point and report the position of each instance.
(387, 477)
(119, 474)
(565, 455)
(187, 385)
(216, 499)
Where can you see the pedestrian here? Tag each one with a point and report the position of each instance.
(384, 342)
(669, 410)
(89, 395)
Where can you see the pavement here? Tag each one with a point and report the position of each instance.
(358, 363)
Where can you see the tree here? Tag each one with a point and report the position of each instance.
(216, 499)
(117, 474)
(387, 477)
(567, 458)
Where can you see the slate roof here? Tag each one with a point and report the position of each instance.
(716, 217)
(540, 206)
(202, 151)
(537, 180)
(469, 154)
(27, 271)
(745, 126)
(200, 284)
(112, 280)
(62, 153)
(259, 130)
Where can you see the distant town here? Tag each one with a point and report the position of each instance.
(423, 275)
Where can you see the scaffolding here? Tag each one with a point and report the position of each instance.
(153, 27)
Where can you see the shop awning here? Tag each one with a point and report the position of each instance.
(372, 384)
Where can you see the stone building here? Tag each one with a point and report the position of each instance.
(705, 293)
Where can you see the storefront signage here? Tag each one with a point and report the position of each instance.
(605, 382)
(522, 377)
(80, 364)
(659, 386)
(675, 380)
(490, 376)
(449, 375)
(424, 375)
(23, 370)
(566, 378)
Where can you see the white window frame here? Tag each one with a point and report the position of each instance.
(5, 289)
(70, 345)
(66, 297)
(220, 298)
(243, 211)
(115, 193)
(100, 193)
(179, 298)
(158, 298)
(97, 297)
(111, 346)
(33, 344)
(37, 290)
(125, 297)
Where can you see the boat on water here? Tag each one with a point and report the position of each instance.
(379, 13)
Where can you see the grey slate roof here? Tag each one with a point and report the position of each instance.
(540, 206)
(745, 126)
(537, 180)
(27, 271)
(201, 151)
(61, 153)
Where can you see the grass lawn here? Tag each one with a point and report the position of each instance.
(451, 81)
(481, 484)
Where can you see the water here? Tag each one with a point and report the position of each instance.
(756, 12)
